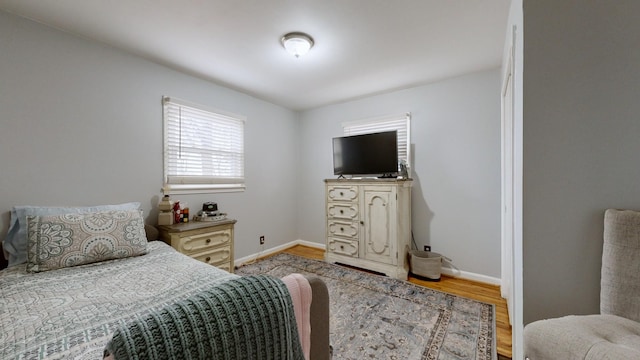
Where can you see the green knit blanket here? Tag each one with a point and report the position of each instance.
(248, 317)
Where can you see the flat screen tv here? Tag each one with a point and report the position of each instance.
(373, 154)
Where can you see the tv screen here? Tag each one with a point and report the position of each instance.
(368, 154)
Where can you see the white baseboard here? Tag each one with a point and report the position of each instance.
(309, 244)
(273, 250)
(445, 270)
(470, 276)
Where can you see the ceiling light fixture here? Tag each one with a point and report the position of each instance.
(297, 43)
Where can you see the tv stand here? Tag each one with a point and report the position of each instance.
(369, 224)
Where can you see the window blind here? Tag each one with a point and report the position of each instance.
(401, 123)
(203, 148)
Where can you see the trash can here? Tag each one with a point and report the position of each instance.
(426, 264)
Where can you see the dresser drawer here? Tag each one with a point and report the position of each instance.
(342, 193)
(348, 229)
(214, 257)
(195, 243)
(343, 246)
(347, 211)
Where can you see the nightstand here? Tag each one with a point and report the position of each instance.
(208, 241)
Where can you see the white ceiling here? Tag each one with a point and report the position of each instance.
(362, 47)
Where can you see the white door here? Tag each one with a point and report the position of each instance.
(380, 224)
(507, 187)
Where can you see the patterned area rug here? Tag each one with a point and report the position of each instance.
(376, 317)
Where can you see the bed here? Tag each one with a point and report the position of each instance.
(72, 312)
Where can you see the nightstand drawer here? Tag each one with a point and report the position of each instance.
(201, 242)
(226, 266)
(208, 241)
(214, 257)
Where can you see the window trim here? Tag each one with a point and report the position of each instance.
(181, 184)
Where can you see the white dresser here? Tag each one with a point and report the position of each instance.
(369, 224)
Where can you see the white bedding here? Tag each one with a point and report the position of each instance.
(71, 313)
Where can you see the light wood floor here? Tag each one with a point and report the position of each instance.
(470, 289)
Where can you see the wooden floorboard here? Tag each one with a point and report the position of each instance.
(467, 288)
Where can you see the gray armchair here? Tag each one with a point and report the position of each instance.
(615, 332)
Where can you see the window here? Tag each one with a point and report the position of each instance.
(203, 149)
(401, 123)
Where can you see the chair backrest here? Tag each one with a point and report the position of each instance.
(620, 281)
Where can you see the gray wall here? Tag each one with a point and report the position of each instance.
(81, 124)
(456, 167)
(581, 145)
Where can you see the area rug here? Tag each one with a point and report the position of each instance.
(377, 317)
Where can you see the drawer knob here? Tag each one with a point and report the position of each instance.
(341, 229)
(341, 211)
(208, 241)
(361, 222)
(341, 247)
(208, 258)
(341, 193)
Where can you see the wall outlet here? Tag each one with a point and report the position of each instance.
(427, 248)
(262, 240)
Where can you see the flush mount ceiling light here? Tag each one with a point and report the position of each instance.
(297, 43)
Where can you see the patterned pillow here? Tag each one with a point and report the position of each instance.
(57, 241)
(16, 241)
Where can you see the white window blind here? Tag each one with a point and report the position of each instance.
(401, 123)
(203, 149)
